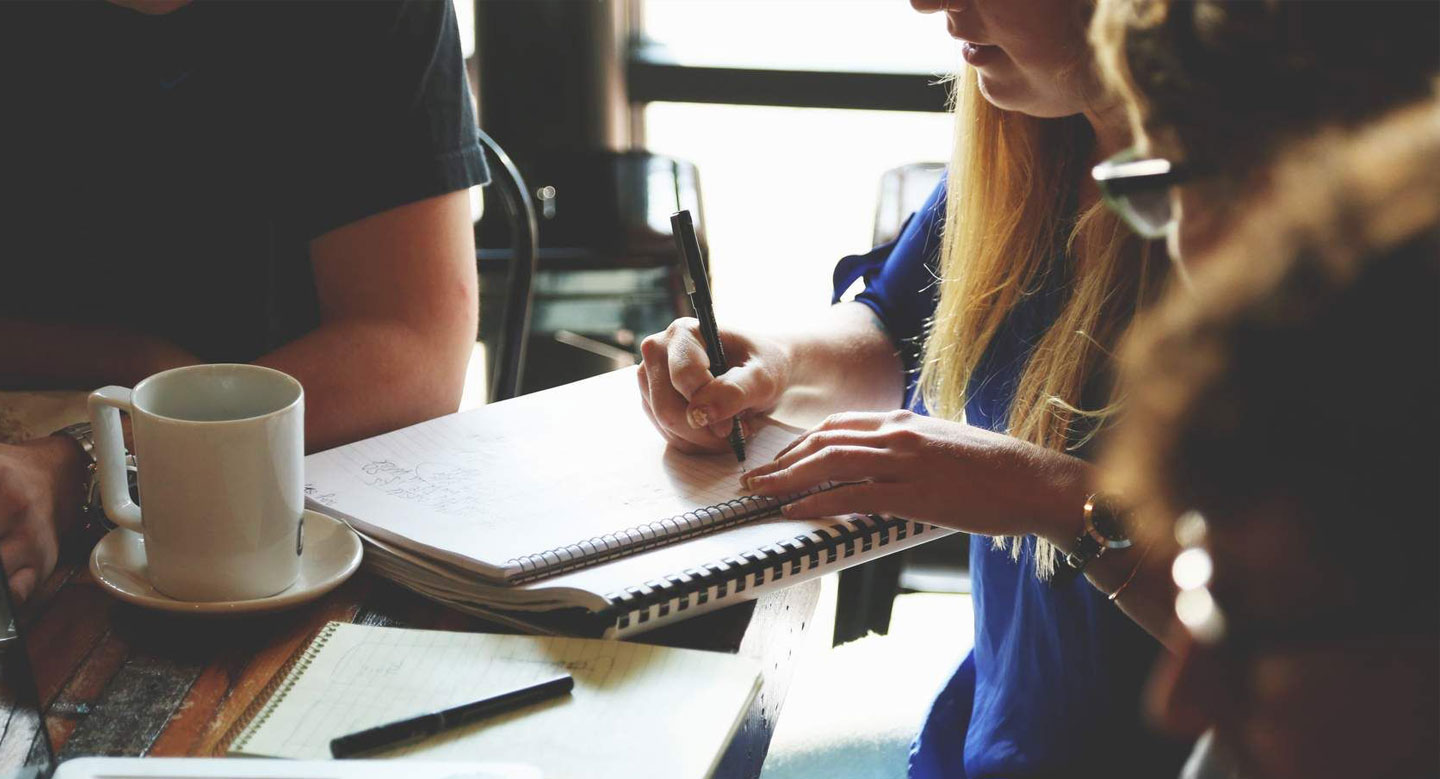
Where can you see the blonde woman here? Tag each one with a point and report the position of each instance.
(1036, 286)
(1037, 283)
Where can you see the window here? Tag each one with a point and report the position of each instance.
(870, 36)
(789, 190)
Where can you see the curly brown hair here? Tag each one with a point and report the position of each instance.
(1222, 85)
(1304, 365)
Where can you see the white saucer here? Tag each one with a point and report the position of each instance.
(332, 553)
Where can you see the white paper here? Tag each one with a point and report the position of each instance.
(636, 711)
(518, 478)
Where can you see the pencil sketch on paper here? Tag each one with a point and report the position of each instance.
(454, 488)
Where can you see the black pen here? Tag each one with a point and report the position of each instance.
(697, 286)
(415, 728)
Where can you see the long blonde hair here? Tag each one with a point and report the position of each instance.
(1011, 208)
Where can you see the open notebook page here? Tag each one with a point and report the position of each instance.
(636, 710)
(517, 478)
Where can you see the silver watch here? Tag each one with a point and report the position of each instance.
(91, 508)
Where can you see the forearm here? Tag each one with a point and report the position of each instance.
(365, 377)
(36, 355)
(844, 362)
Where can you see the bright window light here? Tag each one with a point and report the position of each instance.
(883, 36)
(787, 193)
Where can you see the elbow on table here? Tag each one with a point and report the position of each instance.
(437, 365)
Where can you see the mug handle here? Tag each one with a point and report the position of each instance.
(105, 405)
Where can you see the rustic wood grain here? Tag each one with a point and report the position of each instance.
(228, 686)
(74, 621)
(134, 707)
(118, 680)
(82, 691)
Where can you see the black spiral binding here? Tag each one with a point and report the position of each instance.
(732, 576)
(648, 536)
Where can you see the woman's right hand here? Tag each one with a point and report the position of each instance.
(692, 409)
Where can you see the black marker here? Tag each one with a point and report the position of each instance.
(697, 286)
(415, 728)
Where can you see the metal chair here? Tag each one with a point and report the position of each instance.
(607, 273)
(509, 362)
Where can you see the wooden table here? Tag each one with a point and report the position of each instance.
(115, 679)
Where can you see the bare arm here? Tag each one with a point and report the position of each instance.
(398, 318)
(398, 309)
(398, 314)
(948, 473)
(1142, 570)
(843, 361)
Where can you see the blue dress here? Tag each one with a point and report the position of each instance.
(1053, 684)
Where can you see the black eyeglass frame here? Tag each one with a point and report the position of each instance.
(1125, 179)
(1122, 175)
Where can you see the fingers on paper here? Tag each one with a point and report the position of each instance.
(840, 463)
(865, 498)
(817, 441)
(851, 421)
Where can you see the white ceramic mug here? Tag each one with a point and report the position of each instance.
(220, 454)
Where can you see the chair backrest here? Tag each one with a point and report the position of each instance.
(902, 191)
(520, 279)
(606, 257)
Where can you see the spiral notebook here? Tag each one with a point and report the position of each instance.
(569, 499)
(678, 708)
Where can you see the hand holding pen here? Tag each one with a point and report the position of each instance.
(697, 286)
(690, 408)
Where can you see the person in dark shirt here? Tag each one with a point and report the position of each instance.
(284, 184)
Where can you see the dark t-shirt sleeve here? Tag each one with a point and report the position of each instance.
(901, 279)
(396, 116)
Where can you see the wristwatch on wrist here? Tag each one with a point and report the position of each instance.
(94, 523)
(1103, 530)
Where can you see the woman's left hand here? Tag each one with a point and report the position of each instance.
(928, 470)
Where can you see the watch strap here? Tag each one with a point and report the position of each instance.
(83, 434)
(94, 522)
(1087, 548)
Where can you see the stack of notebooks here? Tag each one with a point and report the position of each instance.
(565, 512)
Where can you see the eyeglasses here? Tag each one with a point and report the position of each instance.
(1138, 189)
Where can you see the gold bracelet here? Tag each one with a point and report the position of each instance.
(1131, 577)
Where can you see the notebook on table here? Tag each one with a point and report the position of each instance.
(568, 501)
(635, 711)
(26, 751)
